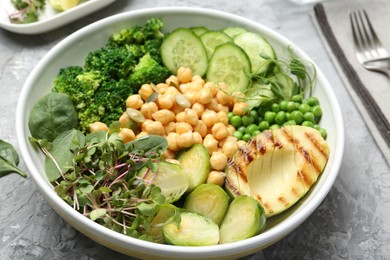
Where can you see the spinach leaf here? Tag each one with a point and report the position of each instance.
(9, 160)
(59, 159)
(52, 115)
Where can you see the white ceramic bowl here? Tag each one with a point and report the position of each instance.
(73, 49)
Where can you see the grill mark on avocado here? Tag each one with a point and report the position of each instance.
(316, 143)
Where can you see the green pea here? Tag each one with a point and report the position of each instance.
(304, 108)
(241, 129)
(263, 125)
(297, 98)
(235, 121)
(309, 116)
(280, 117)
(246, 137)
(257, 132)
(323, 132)
(290, 122)
(312, 101)
(288, 114)
(269, 116)
(238, 135)
(274, 126)
(283, 105)
(317, 111)
(254, 114)
(247, 120)
(318, 127)
(230, 115)
(291, 106)
(251, 128)
(297, 116)
(275, 107)
(307, 123)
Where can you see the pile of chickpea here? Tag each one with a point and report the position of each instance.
(187, 111)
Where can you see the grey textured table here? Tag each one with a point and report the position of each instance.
(352, 223)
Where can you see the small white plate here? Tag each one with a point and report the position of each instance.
(49, 19)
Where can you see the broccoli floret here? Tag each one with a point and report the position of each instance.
(137, 34)
(114, 62)
(147, 71)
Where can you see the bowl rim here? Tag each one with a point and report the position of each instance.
(266, 238)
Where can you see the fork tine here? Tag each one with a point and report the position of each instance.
(358, 37)
(375, 40)
(369, 34)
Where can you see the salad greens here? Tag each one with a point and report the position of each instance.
(9, 160)
(26, 11)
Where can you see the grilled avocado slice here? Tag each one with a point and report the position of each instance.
(278, 167)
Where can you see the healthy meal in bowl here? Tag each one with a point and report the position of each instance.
(192, 137)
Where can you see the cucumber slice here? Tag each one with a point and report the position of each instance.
(199, 30)
(245, 218)
(230, 64)
(183, 48)
(233, 31)
(209, 200)
(254, 45)
(193, 230)
(212, 39)
(196, 165)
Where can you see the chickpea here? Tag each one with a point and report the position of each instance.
(229, 138)
(210, 143)
(197, 138)
(204, 96)
(192, 96)
(145, 91)
(165, 101)
(201, 128)
(124, 119)
(126, 134)
(198, 79)
(184, 75)
(223, 98)
(172, 81)
(171, 91)
(219, 131)
(98, 126)
(240, 108)
(172, 141)
(176, 108)
(168, 154)
(155, 127)
(198, 108)
(218, 161)
(185, 139)
(241, 143)
(164, 116)
(169, 128)
(180, 117)
(183, 127)
(229, 148)
(213, 105)
(185, 87)
(222, 108)
(145, 124)
(162, 88)
(231, 129)
(134, 101)
(216, 177)
(212, 87)
(148, 109)
(222, 117)
(209, 117)
(195, 86)
(190, 116)
(143, 133)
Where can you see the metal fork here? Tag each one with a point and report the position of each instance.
(369, 49)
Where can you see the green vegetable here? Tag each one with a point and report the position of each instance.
(183, 48)
(193, 230)
(196, 164)
(51, 115)
(102, 183)
(165, 213)
(213, 39)
(209, 200)
(170, 177)
(9, 160)
(100, 88)
(27, 11)
(231, 65)
(245, 218)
